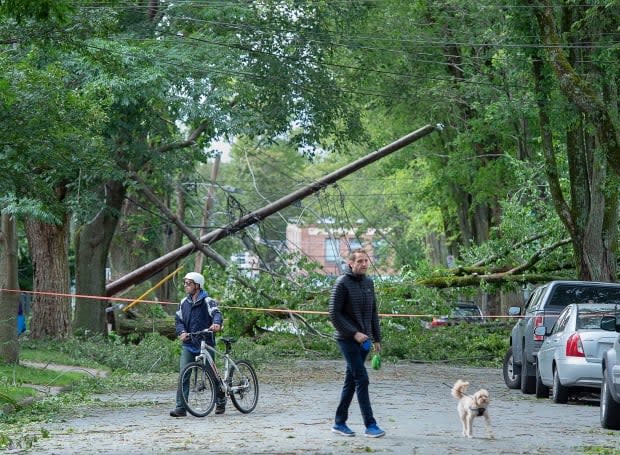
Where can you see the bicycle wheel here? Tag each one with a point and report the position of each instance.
(243, 386)
(198, 389)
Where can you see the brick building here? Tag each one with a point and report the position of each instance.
(330, 247)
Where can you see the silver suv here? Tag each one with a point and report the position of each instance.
(610, 385)
(542, 309)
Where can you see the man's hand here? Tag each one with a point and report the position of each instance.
(183, 336)
(215, 327)
(360, 337)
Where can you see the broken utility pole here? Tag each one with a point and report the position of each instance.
(150, 269)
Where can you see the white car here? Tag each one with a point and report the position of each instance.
(610, 387)
(569, 359)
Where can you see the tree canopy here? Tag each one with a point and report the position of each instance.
(521, 184)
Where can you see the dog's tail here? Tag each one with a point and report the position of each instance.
(459, 388)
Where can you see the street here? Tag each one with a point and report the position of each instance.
(412, 403)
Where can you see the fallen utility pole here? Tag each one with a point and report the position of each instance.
(150, 269)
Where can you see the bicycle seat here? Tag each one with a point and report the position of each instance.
(228, 340)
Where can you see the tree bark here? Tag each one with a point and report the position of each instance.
(92, 244)
(48, 244)
(9, 301)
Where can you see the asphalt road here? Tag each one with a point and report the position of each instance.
(412, 403)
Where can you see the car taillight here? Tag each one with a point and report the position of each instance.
(574, 347)
(538, 321)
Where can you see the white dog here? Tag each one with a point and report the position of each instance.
(471, 406)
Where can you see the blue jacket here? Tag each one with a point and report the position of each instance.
(194, 316)
(353, 307)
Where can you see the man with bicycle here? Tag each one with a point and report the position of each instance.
(196, 312)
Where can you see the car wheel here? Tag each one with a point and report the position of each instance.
(542, 391)
(528, 376)
(610, 408)
(512, 379)
(560, 392)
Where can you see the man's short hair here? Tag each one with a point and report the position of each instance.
(357, 251)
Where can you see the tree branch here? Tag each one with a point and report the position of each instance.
(512, 275)
(191, 139)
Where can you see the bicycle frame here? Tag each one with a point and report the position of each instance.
(238, 380)
(205, 357)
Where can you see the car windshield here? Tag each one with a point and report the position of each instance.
(464, 312)
(591, 318)
(566, 294)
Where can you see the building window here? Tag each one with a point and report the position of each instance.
(379, 250)
(354, 244)
(332, 250)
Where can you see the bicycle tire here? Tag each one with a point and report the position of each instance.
(243, 384)
(200, 397)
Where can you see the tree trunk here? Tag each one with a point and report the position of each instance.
(9, 301)
(92, 245)
(51, 314)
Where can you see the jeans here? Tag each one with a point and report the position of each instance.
(355, 382)
(187, 357)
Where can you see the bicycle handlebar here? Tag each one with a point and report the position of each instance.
(200, 332)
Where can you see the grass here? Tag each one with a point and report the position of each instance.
(18, 374)
(48, 355)
(14, 394)
(17, 379)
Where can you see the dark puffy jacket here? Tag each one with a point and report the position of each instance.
(195, 316)
(353, 307)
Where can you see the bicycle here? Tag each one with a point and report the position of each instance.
(199, 379)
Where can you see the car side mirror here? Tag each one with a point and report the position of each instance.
(541, 331)
(514, 311)
(610, 323)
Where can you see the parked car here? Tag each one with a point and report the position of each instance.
(569, 359)
(610, 370)
(542, 309)
(462, 312)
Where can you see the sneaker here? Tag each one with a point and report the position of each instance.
(178, 412)
(373, 431)
(220, 409)
(342, 429)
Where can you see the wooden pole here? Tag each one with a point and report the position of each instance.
(148, 270)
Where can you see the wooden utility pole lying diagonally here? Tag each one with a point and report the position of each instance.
(150, 269)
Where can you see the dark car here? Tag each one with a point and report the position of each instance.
(542, 310)
(462, 312)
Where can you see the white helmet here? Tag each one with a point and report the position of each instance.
(196, 278)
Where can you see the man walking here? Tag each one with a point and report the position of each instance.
(353, 312)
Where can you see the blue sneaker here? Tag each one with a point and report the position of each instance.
(343, 430)
(373, 431)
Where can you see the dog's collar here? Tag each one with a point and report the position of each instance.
(480, 411)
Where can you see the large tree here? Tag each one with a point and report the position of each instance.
(49, 138)
(575, 70)
(245, 84)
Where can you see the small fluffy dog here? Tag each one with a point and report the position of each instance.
(471, 406)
